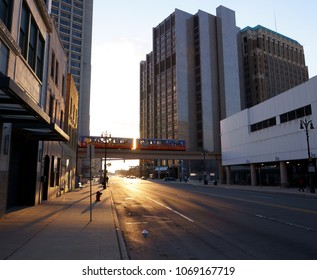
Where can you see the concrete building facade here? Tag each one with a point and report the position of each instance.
(33, 106)
(266, 144)
(189, 81)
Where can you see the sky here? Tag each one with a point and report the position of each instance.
(122, 36)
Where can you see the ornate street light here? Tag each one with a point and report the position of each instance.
(308, 125)
(89, 150)
(105, 138)
(205, 152)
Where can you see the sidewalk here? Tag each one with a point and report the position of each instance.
(60, 229)
(271, 189)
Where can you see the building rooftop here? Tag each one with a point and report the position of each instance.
(260, 27)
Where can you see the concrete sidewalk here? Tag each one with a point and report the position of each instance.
(62, 229)
(272, 189)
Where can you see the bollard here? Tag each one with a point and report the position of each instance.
(98, 195)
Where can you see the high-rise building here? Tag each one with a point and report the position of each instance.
(74, 22)
(272, 64)
(191, 78)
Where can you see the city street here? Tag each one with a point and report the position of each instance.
(173, 220)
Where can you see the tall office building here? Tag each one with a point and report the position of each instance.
(74, 22)
(273, 63)
(191, 78)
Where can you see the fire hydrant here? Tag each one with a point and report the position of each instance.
(98, 195)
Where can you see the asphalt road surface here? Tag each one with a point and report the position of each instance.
(173, 220)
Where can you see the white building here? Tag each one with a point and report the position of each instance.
(265, 145)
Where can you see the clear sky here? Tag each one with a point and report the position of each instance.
(122, 36)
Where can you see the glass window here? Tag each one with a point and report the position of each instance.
(66, 8)
(76, 26)
(53, 65)
(40, 57)
(56, 72)
(32, 45)
(4, 56)
(5, 12)
(31, 42)
(24, 28)
(78, 12)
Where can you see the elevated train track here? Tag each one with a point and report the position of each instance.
(147, 154)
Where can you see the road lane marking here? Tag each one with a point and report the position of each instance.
(296, 209)
(183, 196)
(169, 208)
(283, 222)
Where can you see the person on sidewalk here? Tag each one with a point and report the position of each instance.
(301, 184)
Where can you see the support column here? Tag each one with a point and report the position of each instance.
(283, 174)
(228, 175)
(253, 174)
(221, 172)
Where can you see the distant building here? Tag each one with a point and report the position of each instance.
(272, 64)
(69, 164)
(190, 81)
(191, 78)
(74, 23)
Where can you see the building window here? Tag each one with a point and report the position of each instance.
(5, 12)
(24, 29)
(296, 114)
(52, 65)
(62, 120)
(4, 57)
(31, 42)
(32, 45)
(51, 107)
(40, 57)
(56, 72)
(63, 85)
(263, 124)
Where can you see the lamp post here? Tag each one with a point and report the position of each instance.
(89, 151)
(308, 125)
(105, 138)
(205, 152)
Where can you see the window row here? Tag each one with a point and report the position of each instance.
(31, 42)
(286, 117)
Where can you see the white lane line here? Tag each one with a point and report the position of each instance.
(283, 222)
(169, 208)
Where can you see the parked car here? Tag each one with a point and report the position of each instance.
(169, 179)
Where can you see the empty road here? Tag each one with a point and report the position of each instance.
(173, 220)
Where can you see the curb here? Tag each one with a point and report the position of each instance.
(121, 242)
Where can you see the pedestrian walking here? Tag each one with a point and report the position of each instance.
(301, 185)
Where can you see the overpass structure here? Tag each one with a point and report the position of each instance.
(127, 154)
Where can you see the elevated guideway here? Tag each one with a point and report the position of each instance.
(127, 154)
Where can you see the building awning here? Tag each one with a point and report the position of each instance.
(20, 109)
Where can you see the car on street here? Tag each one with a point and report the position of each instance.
(169, 179)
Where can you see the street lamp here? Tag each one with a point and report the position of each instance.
(205, 152)
(308, 125)
(106, 138)
(89, 150)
